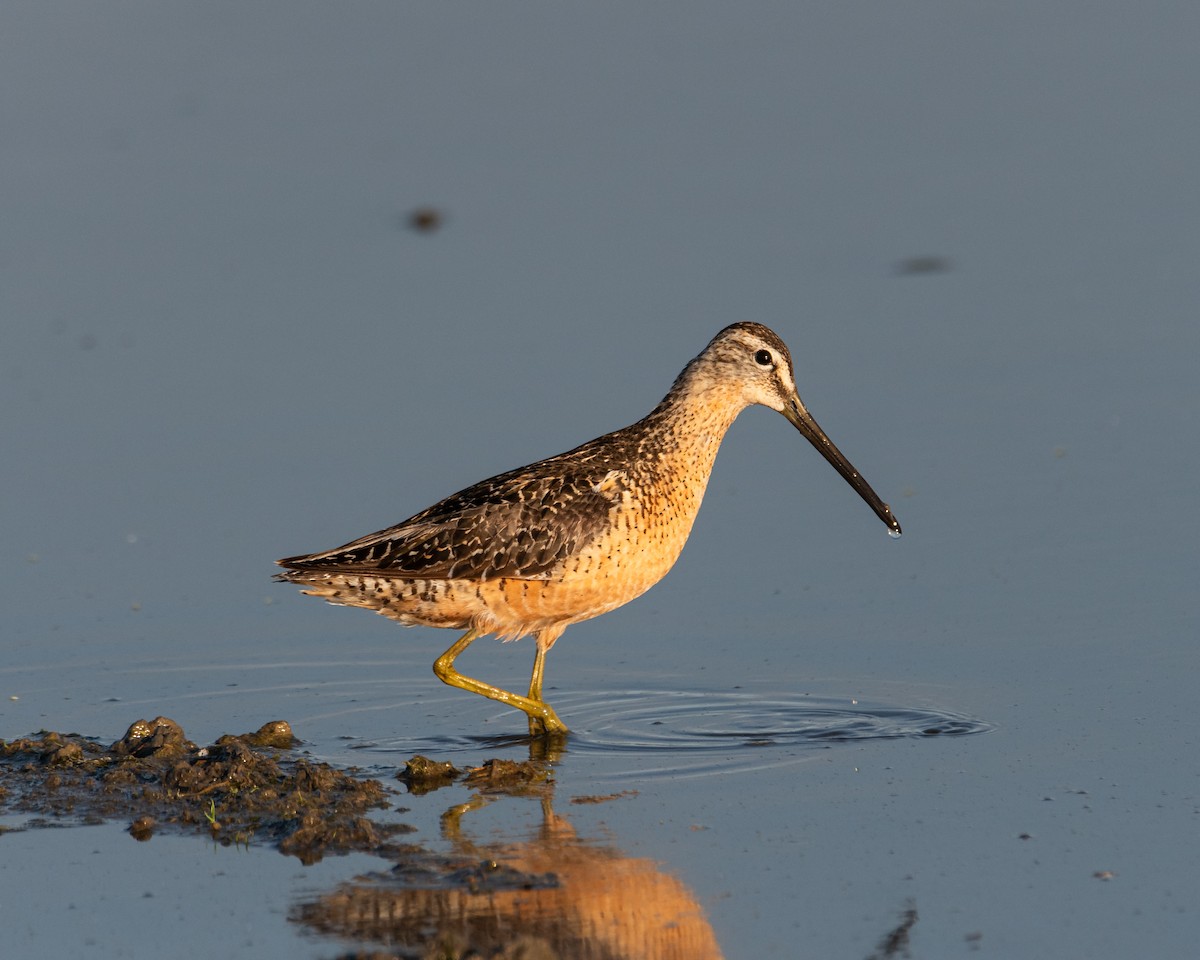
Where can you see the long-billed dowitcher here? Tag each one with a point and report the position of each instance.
(566, 539)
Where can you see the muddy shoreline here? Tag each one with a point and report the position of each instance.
(251, 788)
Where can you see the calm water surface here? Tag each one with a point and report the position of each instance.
(223, 344)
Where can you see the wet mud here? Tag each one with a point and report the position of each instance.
(247, 789)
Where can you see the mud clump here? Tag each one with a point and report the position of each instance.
(512, 777)
(240, 790)
(160, 737)
(422, 775)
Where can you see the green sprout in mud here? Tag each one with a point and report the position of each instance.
(211, 813)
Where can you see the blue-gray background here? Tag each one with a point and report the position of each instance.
(220, 344)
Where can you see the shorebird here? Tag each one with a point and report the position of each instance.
(536, 549)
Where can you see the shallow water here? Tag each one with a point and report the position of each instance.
(688, 733)
(222, 344)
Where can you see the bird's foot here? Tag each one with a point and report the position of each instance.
(545, 723)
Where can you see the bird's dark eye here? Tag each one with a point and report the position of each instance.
(763, 358)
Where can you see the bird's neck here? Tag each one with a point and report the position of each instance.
(691, 420)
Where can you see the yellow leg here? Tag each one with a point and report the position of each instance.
(536, 727)
(539, 669)
(542, 718)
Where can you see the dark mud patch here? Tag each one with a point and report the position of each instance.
(517, 778)
(897, 941)
(422, 775)
(242, 789)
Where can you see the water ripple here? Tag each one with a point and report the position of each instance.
(694, 721)
(695, 733)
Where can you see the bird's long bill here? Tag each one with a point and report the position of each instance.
(798, 414)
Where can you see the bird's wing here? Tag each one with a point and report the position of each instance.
(516, 525)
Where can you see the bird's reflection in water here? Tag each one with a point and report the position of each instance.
(555, 896)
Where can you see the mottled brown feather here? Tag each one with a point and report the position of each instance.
(514, 525)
